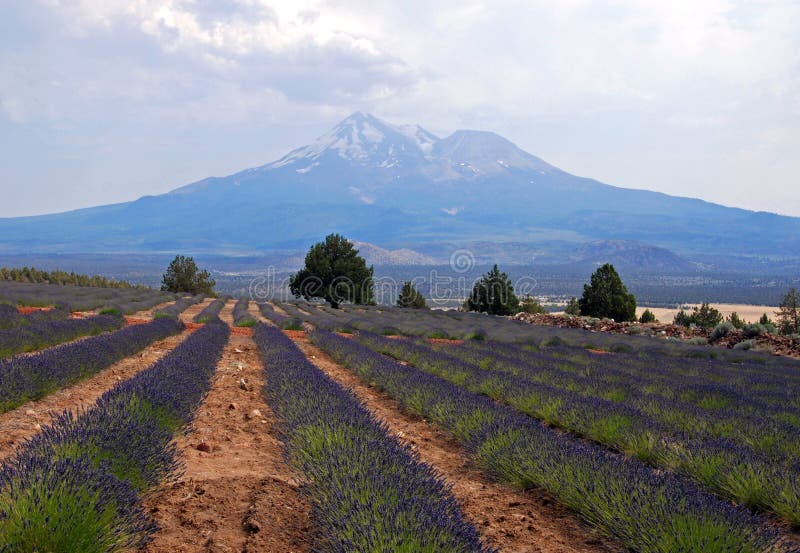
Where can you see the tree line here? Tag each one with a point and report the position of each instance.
(37, 276)
(335, 272)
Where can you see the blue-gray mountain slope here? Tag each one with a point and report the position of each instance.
(401, 186)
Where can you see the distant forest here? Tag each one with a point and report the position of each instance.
(33, 275)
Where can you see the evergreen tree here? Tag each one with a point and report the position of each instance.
(493, 294)
(336, 273)
(789, 313)
(573, 307)
(735, 320)
(648, 317)
(183, 276)
(606, 296)
(531, 305)
(410, 297)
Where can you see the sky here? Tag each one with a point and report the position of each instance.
(104, 101)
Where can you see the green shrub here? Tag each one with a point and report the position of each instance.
(293, 324)
(745, 345)
(573, 307)
(531, 305)
(720, 331)
(753, 330)
(478, 334)
(698, 341)
(735, 320)
(648, 317)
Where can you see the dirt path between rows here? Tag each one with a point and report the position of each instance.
(193, 310)
(512, 520)
(26, 420)
(237, 493)
(226, 314)
(278, 309)
(148, 313)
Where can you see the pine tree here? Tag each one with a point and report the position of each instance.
(336, 273)
(493, 294)
(789, 313)
(410, 297)
(183, 276)
(606, 296)
(573, 307)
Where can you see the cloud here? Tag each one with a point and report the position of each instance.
(362, 196)
(624, 91)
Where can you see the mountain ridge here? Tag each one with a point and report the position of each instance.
(401, 186)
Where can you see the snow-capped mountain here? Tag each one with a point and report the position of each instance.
(365, 140)
(401, 186)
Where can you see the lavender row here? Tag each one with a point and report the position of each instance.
(31, 377)
(36, 336)
(10, 317)
(368, 491)
(733, 469)
(646, 510)
(175, 309)
(281, 320)
(241, 313)
(77, 485)
(706, 406)
(212, 310)
(81, 298)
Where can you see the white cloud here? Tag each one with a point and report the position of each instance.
(597, 87)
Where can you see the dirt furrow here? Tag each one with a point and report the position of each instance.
(237, 494)
(226, 315)
(193, 310)
(148, 313)
(512, 520)
(26, 420)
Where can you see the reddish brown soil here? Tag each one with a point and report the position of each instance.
(241, 331)
(512, 520)
(445, 341)
(25, 310)
(600, 352)
(278, 309)
(135, 321)
(237, 492)
(193, 310)
(148, 313)
(26, 420)
(295, 334)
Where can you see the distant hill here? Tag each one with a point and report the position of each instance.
(402, 187)
(375, 255)
(629, 255)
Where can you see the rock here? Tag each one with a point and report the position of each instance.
(204, 447)
(237, 350)
(233, 406)
(251, 525)
(30, 413)
(254, 414)
(243, 384)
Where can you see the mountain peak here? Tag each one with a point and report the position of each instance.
(473, 153)
(363, 139)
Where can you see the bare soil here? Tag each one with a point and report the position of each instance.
(27, 420)
(237, 492)
(193, 310)
(512, 520)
